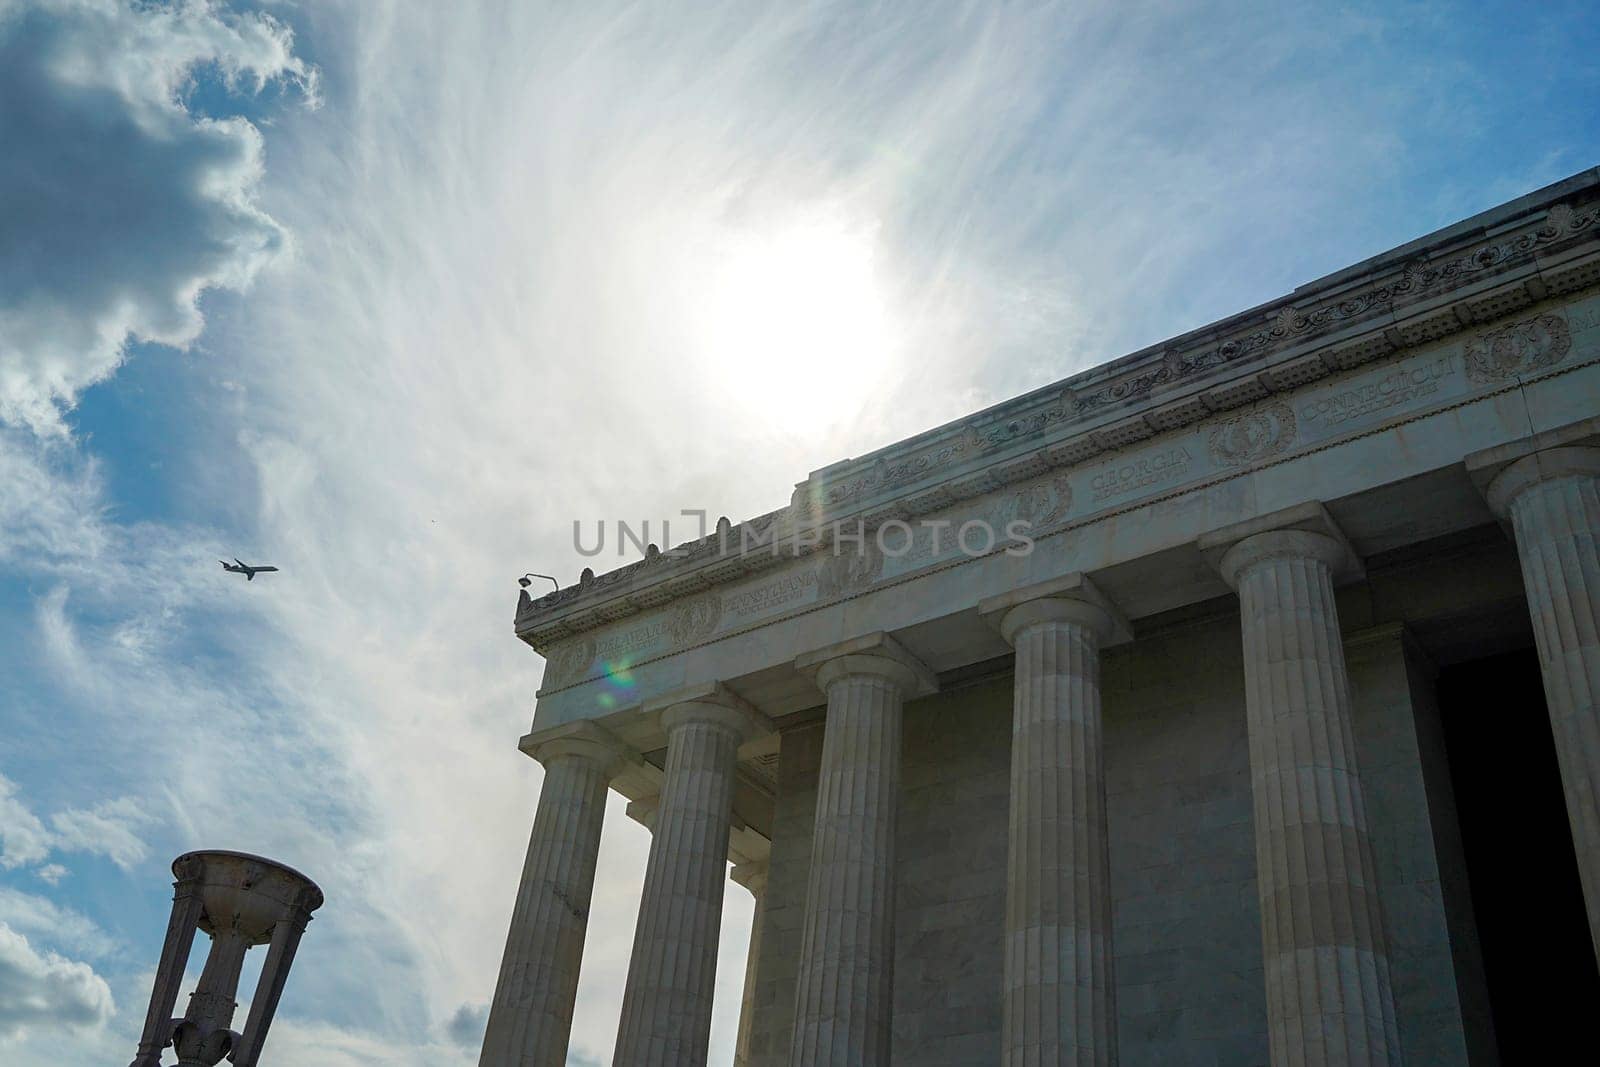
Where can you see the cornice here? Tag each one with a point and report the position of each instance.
(1542, 245)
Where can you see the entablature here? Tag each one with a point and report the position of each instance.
(1383, 446)
(1233, 380)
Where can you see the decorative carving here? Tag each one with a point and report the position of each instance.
(1254, 436)
(884, 475)
(802, 502)
(694, 618)
(1004, 433)
(1520, 348)
(1136, 387)
(569, 662)
(1043, 503)
(188, 867)
(852, 569)
(1418, 276)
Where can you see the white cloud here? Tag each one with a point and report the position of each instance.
(51, 873)
(122, 203)
(110, 829)
(53, 923)
(23, 837)
(45, 990)
(49, 502)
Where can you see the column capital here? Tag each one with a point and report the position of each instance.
(710, 702)
(1069, 598)
(1305, 531)
(875, 655)
(1484, 467)
(585, 740)
(1536, 468)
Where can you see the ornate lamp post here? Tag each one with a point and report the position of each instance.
(240, 901)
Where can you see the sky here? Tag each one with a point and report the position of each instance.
(389, 294)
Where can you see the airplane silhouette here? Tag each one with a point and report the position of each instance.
(244, 568)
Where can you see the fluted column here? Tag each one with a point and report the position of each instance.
(843, 999)
(1329, 998)
(1060, 995)
(1553, 501)
(672, 976)
(530, 1018)
(753, 876)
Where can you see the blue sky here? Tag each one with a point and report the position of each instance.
(388, 294)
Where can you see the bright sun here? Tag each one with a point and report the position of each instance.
(796, 320)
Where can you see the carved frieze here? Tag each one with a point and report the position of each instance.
(852, 569)
(886, 475)
(1288, 325)
(774, 593)
(1368, 395)
(1517, 349)
(1000, 434)
(1044, 503)
(1127, 474)
(694, 618)
(1256, 435)
(570, 662)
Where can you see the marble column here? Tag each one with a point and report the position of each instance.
(1329, 996)
(753, 876)
(1553, 501)
(530, 1018)
(1060, 994)
(672, 975)
(843, 999)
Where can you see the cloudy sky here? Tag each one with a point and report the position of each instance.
(388, 294)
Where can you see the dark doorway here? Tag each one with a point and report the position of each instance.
(1537, 955)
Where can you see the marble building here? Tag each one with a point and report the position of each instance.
(1232, 702)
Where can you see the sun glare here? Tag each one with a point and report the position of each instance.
(796, 320)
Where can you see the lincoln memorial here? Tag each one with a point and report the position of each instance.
(1229, 703)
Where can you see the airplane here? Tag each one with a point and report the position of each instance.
(244, 568)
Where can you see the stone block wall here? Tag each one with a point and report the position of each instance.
(1190, 987)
